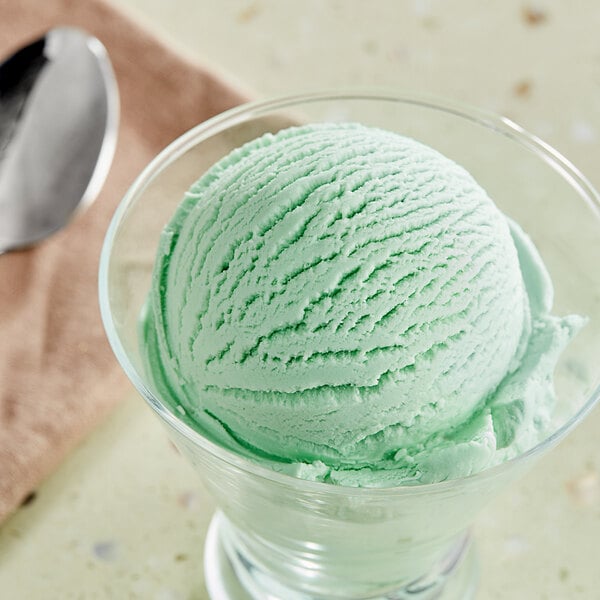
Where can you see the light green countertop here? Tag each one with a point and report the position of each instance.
(125, 516)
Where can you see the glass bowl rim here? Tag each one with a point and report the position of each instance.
(206, 129)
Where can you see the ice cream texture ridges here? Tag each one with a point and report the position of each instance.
(348, 305)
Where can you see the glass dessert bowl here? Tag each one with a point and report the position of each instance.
(278, 536)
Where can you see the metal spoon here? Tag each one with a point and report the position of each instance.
(58, 130)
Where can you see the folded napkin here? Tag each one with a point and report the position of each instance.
(58, 376)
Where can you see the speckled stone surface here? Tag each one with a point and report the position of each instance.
(125, 516)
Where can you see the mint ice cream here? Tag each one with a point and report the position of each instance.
(348, 305)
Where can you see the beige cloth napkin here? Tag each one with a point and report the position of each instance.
(58, 376)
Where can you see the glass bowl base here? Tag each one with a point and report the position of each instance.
(234, 578)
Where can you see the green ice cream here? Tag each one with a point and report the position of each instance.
(348, 305)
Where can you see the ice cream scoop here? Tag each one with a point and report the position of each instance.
(349, 305)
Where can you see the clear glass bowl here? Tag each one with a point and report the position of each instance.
(291, 539)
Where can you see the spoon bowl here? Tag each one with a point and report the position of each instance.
(58, 130)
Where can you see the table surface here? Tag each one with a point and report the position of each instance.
(125, 516)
